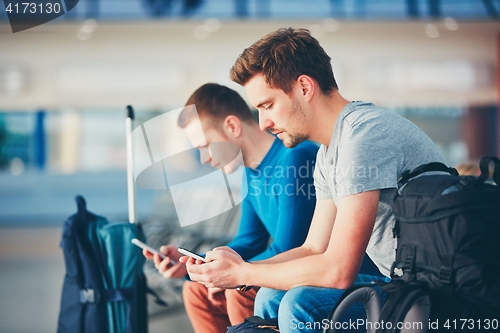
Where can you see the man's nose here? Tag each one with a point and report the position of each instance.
(205, 156)
(264, 122)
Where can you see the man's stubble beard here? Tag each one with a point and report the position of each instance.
(295, 139)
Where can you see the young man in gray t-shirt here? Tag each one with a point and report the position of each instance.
(368, 149)
(289, 79)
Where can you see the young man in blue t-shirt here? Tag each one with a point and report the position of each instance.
(275, 215)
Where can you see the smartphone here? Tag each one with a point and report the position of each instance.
(145, 246)
(191, 254)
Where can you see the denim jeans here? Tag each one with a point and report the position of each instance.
(306, 309)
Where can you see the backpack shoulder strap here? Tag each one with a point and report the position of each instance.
(406, 305)
(433, 166)
(367, 294)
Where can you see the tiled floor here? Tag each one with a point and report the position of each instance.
(31, 276)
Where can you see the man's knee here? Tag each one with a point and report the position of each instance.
(296, 299)
(264, 295)
(267, 302)
(193, 292)
(308, 304)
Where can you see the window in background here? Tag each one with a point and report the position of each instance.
(16, 141)
(281, 9)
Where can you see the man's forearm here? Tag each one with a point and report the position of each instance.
(314, 270)
(296, 253)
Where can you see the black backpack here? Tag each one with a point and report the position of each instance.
(104, 288)
(447, 269)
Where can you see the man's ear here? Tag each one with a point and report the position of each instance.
(232, 127)
(307, 86)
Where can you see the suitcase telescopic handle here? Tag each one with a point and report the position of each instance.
(132, 213)
(433, 166)
(485, 170)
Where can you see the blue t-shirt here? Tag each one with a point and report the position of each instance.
(280, 202)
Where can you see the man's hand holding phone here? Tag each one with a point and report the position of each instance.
(165, 267)
(166, 260)
(223, 268)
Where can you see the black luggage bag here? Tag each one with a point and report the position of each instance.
(446, 275)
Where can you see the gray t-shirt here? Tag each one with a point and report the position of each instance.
(369, 148)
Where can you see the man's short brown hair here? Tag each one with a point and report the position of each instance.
(282, 56)
(215, 102)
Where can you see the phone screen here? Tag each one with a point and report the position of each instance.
(191, 254)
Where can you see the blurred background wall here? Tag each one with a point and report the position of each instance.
(64, 86)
